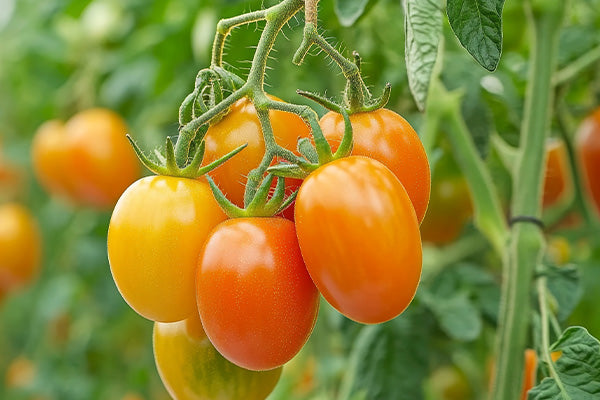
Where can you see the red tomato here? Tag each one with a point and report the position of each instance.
(389, 139)
(191, 368)
(587, 143)
(359, 237)
(257, 302)
(20, 247)
(239, 126)
(155, 236)
(556, 176)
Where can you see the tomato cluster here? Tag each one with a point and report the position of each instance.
(87, 160)
(250, 286)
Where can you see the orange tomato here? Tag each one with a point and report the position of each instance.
(389, 139)
(192, 369)
(556, 176)
(240, 126)
(359, 237)
(155, 236)
(20, 373)
(587, 144)
(256, 300)
(20, 246)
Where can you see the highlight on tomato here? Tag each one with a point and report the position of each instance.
(155, 236)
(361, 245)
(388, 138)
(192, 369)
(557, 181)
(587, 145)
(257, 302)
(87, 160)
(20, 247)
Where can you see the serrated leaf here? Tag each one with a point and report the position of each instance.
(348, 11)
(478, 26)
(578, 369)
(388, 362)
(423, 27)
(564, 284)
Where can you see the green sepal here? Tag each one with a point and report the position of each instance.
(289, 171)
(309, 152)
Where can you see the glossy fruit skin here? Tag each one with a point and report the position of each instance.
(256, 300)
(361, 245)
(20, 247)
(155, 236)
(389, 139)
(587, 144)
(556, 173)
(240, 126)
(192, 369)
(87, 161)
(450, 208)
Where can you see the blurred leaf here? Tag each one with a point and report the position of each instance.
(478, 26)
(564, 284)
(348, 11)
(457, 316)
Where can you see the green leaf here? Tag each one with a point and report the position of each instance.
(564, 284)
(478, 26)
(388, 361)
(348, 11)
(578, 369)
(423, 26)
(457, 315)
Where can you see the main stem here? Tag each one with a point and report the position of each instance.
(526, 243)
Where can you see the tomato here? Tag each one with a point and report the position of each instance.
(388, 138)
(529, 373)
(556, 175)
(88, 160)
(587, 143)
(239, 126)
(192, 369)
(20, 373)
(11, 181)
(558, 250)
(361, 245)
(256, 300)
(20, 246)
(449, 383)
(449, 209)
(155, 236)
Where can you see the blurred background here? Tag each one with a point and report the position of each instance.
(68, 334)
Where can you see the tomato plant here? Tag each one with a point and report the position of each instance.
(192, 369)
(155, 235)
(556, 175)
(388, 138)
(20, 246)
(362, 242)
(257, 304)
(587, 143)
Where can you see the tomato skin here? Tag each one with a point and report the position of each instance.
(556, 175)
(529, 372)
(20, 247)
(155, 235)
(587, 144)
(361, 245)
(388, 138)
(450, 208)
(257, 303)
(192, 369)
(240, 126)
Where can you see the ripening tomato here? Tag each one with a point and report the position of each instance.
(88, 160)
(256, 300)
(449, 209)
(20, 246)
(389, 139)
(192, 369)
(155, 236)
(20, 373)
(449, 383)
(361, 244)
(587, 143)
(556, 175)
(239, 126)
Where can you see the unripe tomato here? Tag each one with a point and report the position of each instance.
(359, 237)
(20, 247)
(192, 369)
(155, 236)
(88, 160)
(587, 143)
(239, 126)
(449, 383)
(556, 175)
(256, 300)
(449, 209)
(389, 139)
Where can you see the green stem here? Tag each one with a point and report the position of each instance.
(576, 67)
(527, 241)
(224, 28)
